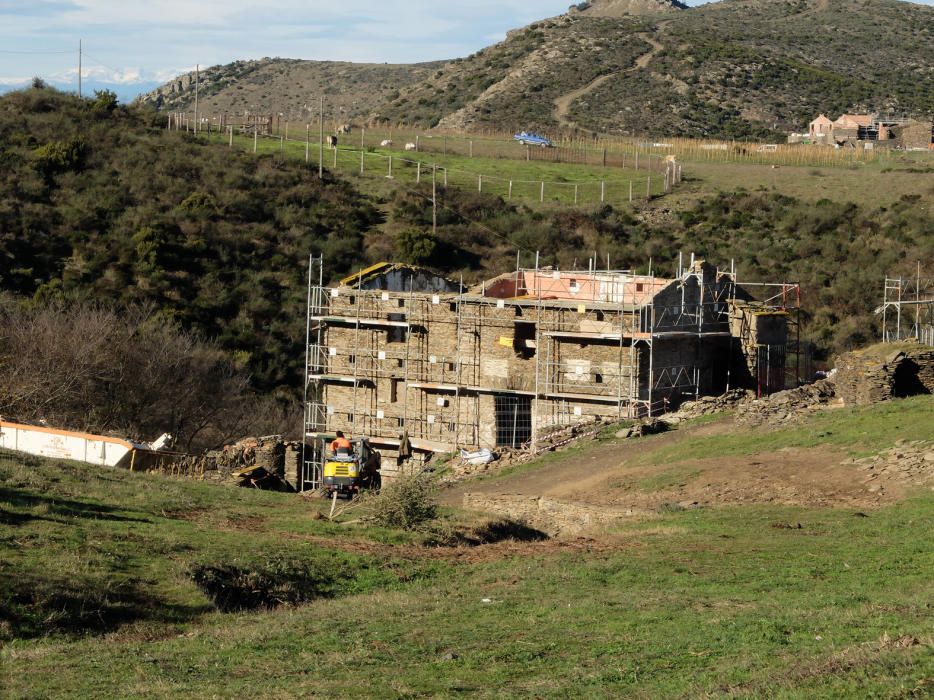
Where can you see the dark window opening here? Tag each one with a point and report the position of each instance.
(599, 315)
(394, 390)
(598, 379)
(513, 420)
(640, 287)
(453, 307)
(523, 339)
(396, 334)
(402, 303)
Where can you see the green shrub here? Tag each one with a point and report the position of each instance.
(407, 502)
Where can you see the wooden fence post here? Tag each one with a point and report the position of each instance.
(602, 191)
(542, 199)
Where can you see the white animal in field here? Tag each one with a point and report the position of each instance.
(411, 147)
(332, 142)
(386, 143)
(344, 129)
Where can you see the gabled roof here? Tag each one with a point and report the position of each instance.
(361, 278)
(858, 119)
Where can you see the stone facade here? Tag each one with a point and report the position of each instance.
(426, 372)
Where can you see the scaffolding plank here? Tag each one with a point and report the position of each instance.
(598, 398)
(346, 320)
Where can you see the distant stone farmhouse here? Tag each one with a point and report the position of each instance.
(869, 130)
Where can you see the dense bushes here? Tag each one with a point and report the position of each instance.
(98, 203)
(839, 251)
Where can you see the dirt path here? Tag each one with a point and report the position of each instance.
(586, 490)
(563, 104)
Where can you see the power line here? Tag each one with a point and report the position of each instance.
(102, 65)
(36, 53)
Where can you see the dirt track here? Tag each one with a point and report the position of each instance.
(585, 490)
(563, 103)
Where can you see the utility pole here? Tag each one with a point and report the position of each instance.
(321, 140)
(197, 86)
(80, 51)
(434, 200)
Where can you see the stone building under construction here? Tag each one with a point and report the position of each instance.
(422, 365)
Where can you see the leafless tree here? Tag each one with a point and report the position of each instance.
(132, 372)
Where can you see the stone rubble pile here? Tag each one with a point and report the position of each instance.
(788, 405)
(549, 440)
(910, 463)
(706, 405)
(270, 453)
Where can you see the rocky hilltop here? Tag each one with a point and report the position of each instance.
(273, 85)
(621, 8)
(729, 69)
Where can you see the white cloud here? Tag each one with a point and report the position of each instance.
(100, 74)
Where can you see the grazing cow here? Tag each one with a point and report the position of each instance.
(344, 129)
(411, 147)
(332, 142)
(385, 143)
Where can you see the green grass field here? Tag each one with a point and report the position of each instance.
(564, 184)
(98, 598)
(870, 182)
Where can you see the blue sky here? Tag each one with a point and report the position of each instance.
(132, 44)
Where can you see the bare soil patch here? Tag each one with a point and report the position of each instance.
(583, 491)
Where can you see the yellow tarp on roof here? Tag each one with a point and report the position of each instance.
(369, 272)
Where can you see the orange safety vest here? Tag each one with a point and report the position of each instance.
(339, 444)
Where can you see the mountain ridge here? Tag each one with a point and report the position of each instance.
(731, 69)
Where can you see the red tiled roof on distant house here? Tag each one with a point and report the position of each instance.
(852, 121)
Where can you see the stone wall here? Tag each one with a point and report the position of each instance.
(883, 372)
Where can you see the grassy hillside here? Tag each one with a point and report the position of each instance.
(271, 86)
(124, 585)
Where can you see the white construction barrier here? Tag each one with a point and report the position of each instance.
(63, 444)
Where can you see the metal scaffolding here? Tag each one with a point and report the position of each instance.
(908, 309)
(643, 334)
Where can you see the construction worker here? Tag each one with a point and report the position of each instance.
(340, 443)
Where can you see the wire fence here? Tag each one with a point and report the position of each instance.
(617, 188)
(626, 152)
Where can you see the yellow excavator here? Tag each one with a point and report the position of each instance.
(347, 472)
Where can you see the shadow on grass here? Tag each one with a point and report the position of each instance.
(503, 530)
(63, 508)
(33, 607)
